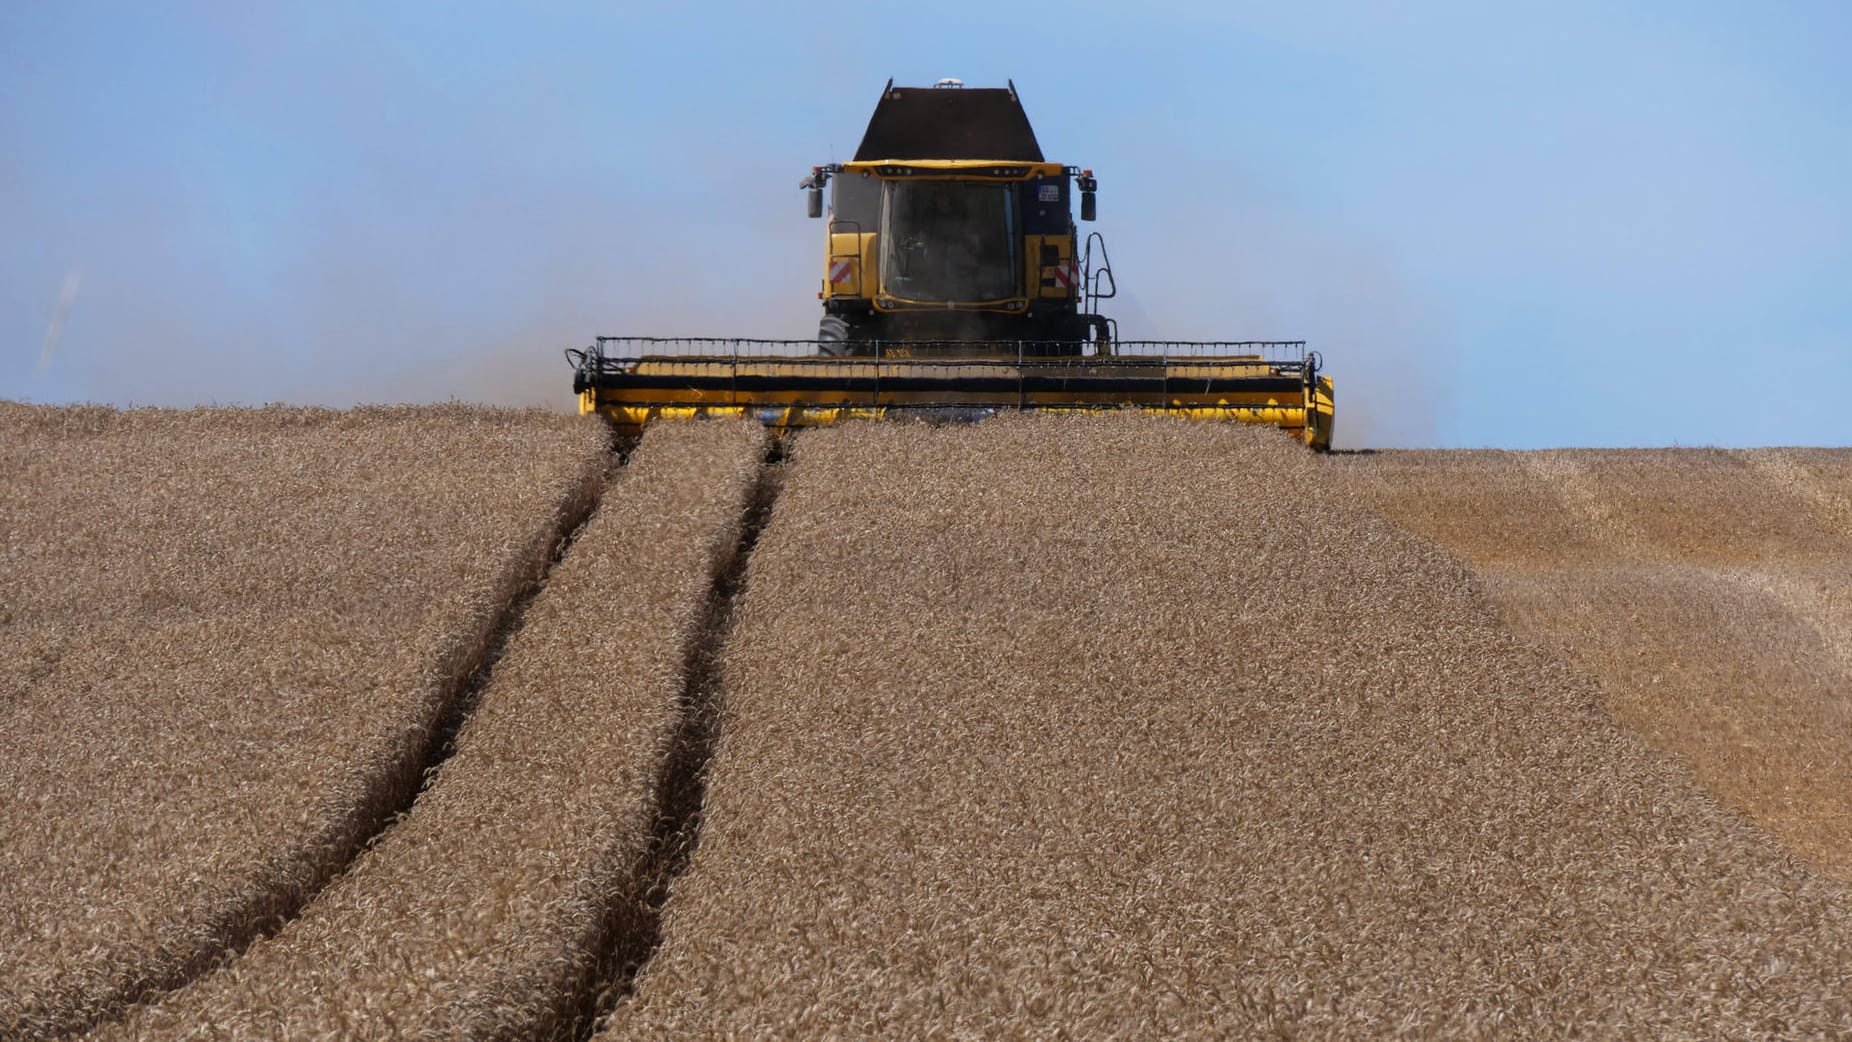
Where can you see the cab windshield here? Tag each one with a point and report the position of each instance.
(948, 240)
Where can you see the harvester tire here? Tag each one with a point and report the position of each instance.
(833, 336)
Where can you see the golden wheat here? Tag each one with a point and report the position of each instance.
(1708, 590)
(1107, 727)
(1125, 728)
(483, 912)
(232, 635)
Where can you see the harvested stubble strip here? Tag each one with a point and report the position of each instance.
(1707, 590)
(246, 626)
(484, 912)
(1588, 507)
(1114, 727)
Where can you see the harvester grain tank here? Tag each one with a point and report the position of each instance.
(956, 285)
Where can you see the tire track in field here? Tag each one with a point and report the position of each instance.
(634, 936)
(395, 792)
(500, 630)
(495, 907)
(1044, 728)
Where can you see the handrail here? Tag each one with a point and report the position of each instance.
(616, 361)
(620, 349)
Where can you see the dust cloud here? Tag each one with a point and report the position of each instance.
(1251, 270)
(478, 304)
(466, 278)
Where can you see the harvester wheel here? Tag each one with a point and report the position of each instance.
(833, 336)
(839, 335)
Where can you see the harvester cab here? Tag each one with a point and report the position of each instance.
(933, 252)
(956, 284)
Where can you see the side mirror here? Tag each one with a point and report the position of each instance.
(814, 205)
(1086, 182)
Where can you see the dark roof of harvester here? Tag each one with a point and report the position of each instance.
(949, 123)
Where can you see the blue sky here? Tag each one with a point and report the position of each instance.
(1516, 225)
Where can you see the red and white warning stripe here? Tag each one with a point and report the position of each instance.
(839, 272)
(1064, 277)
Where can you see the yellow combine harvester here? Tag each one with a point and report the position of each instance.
(956, 286)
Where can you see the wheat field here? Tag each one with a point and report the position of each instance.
(504, 880)
(1049, 727)
(1709, 590)
(231, 637)
(1125, 728)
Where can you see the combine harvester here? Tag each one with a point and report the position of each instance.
(956, 287)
